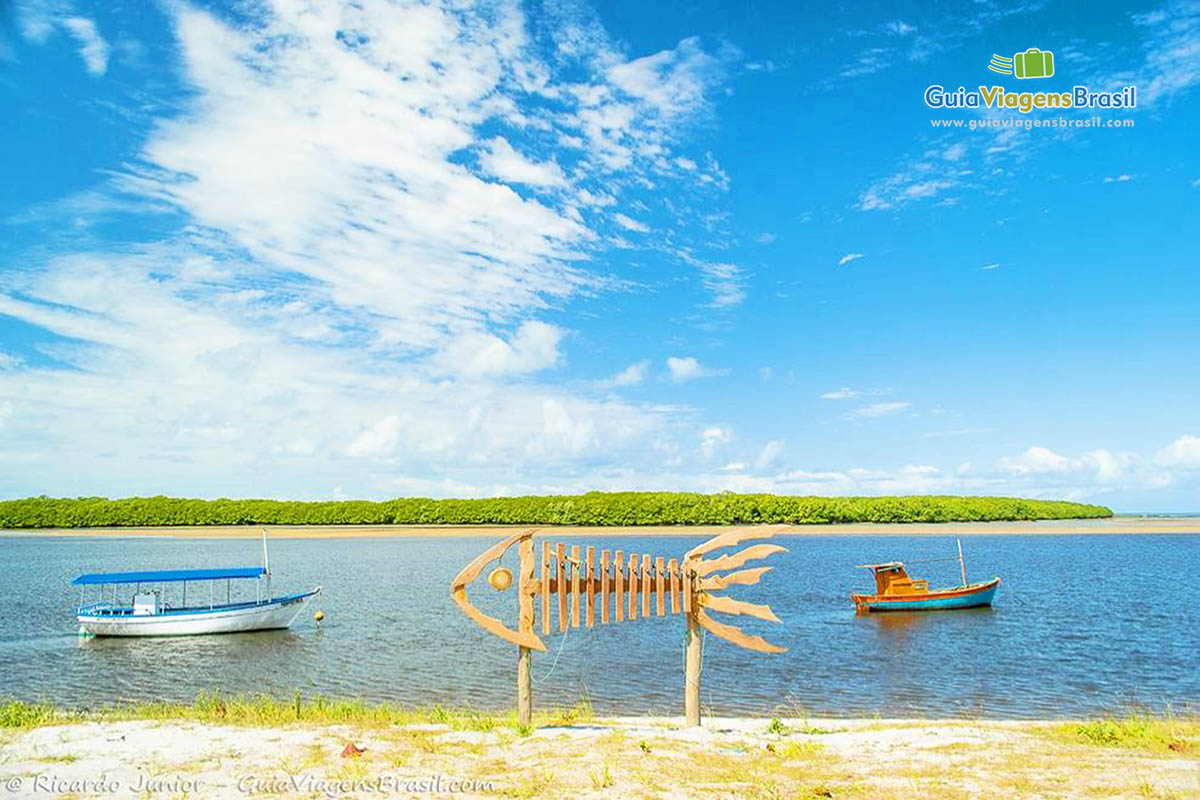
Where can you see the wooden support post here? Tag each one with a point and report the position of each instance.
(524, 687)
(525, 588)
(691, 678)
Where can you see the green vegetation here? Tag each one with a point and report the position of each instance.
(268, 711)
(595, 508)
(1180, 734)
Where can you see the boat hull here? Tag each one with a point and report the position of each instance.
(270, 615)
(978, 594)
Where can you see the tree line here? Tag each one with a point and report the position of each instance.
(594, 508)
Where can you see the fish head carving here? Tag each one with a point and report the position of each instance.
(468, 574)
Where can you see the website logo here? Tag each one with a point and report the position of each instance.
(1033, 63)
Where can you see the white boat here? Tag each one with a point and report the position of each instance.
(150, 613)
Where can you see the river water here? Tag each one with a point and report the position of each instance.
(1082, 625)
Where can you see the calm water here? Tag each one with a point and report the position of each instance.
(1082, 625)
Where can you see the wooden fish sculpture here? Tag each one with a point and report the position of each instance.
(570, 587)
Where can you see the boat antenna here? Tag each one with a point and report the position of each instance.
(961, 564)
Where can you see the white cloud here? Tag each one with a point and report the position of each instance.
(501, 160)
(685, 369)
(765, 238)
(988, 267)
(1036, 459)
(632, 375)
(354, 301)
(92, 47)
(900, 28)
(1122, 178)
(1183, 453)
(769, 454)
(630, 224)
(845, 393)
(533, 347)
(846, 259)
(713, 438)
(881, 409)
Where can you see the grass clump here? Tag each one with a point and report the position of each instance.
(1137, 731)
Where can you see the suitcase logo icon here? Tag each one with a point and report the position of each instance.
(1033, 63)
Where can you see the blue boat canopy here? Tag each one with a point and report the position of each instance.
(168, 576)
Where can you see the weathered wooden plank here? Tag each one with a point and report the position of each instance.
(743, 577)
(647, 589)
(590, 616)
(634, 582)
(673, 569)
(736, 635)
(493, 625)
(659, 578)
(560, 552)
(575, 586)
(619, 580)
(545, 587)
(525, 585)
(604, 587)
(737, 559)
(730, 538)
(727, 605)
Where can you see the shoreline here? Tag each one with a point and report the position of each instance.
(1108, 526)
(594, 757)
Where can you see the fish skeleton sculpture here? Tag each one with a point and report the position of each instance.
(624, 587)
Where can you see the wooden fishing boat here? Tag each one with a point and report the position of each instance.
(149, 612)
(896, 591)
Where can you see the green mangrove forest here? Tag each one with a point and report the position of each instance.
(594, 508)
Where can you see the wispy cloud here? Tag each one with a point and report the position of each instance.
(1122, 178)
(687, 368)
(846, 259)
(630, 224)
(632, 375)
(845, 393)
(881, 409)
(988, 267)
(92, 47)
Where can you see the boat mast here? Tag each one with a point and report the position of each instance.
(962, 564)
(266, 563)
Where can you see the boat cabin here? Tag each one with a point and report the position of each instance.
(891, 580)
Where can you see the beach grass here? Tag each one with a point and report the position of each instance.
(269, 711)
(1158, 733)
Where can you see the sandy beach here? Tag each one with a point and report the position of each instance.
(625, 757)
(1115, 525)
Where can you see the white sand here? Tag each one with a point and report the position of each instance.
(626, 757)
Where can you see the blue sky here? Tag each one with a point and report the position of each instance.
(390, 249)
